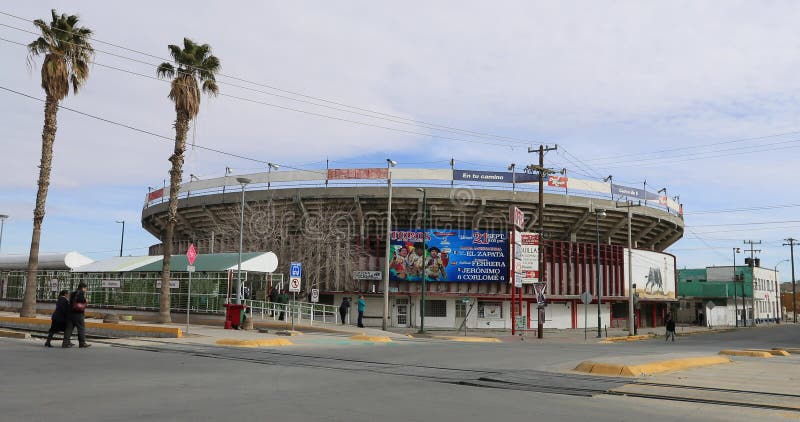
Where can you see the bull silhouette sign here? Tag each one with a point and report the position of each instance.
(655, 283)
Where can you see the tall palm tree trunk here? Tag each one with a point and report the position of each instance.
(181, 128)
(45, 166)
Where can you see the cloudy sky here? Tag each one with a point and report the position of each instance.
(698, 97)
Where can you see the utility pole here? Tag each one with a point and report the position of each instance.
(791, 244)
(752, 276)
(543, 172)
(630, 206)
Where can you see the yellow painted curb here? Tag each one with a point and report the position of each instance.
(374, 339)
(773, 352)
(14, 334)
(612, 369)
(470, 339)
(627, 338)
(175, 331)
(750, 353)
(254, 343)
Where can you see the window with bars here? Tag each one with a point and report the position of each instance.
(436, 308)
(461, 309)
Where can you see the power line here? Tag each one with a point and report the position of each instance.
(359, 111)
(250, 100)
(734, 210)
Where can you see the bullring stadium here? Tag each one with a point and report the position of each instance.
(334, 222)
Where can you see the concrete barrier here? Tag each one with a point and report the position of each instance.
(96, 328)
(748, 353)
(650, 368)
(14, 334)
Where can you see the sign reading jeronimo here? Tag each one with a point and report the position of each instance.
(449, 256)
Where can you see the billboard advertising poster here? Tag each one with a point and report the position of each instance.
(653, 274)
(494, 176)
(450, 256)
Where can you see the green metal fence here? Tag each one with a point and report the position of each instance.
(140, 290)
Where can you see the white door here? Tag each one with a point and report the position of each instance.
(401, 312)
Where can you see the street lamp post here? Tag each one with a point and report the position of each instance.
(424, 286)
(385, 324)
(270, 167)
(778, 315)
(122, 238)
(244, 182)
(735, 303)
(2, 223)
(598, 214)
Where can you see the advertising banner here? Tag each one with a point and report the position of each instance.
(368, 173)
(494, 176)
(526, 258)
(633, 193)
(653, 274)
(450, 256)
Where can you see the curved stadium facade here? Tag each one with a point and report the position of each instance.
(334, 222)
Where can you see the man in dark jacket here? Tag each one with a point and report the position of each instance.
(78, 303)
(343, 309)
(670, 325)
(59, 318)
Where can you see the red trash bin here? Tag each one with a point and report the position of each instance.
(233, 315)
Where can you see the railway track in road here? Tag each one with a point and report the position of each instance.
(523, 380)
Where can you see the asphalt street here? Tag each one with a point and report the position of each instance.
(328, 377)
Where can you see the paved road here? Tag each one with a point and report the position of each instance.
(328, 377)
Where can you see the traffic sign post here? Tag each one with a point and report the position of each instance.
(191, 256)
(295, 280)
(586, 299)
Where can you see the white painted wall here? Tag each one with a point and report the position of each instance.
(605, 314)
(557, 315)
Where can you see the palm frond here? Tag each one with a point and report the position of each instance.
(165, 70)
(210, 87)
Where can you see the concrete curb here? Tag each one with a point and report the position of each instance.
(627, 338)
(14, 334)
(773, 352)
(96, 328)
(254, 343)
(612, 369)
(469, 339)
(748, 353)
(373, 339)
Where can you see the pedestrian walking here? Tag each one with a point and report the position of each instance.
(76, 318)
(283, 300)
(343, 309)
(362, 306)
(670, 323)
(59, 318)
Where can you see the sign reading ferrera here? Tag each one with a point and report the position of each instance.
(449, 256)
(494, 176)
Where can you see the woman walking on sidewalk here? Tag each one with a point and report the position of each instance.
(59, 317)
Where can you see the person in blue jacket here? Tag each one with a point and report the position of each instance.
(59, 318)
(362, 306)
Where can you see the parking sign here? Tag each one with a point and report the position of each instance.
(296, 269)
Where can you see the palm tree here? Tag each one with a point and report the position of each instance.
(195, 63)
(67, 53)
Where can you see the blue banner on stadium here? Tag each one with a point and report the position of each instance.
(451, 256)
(494, 176)
(633, 193)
